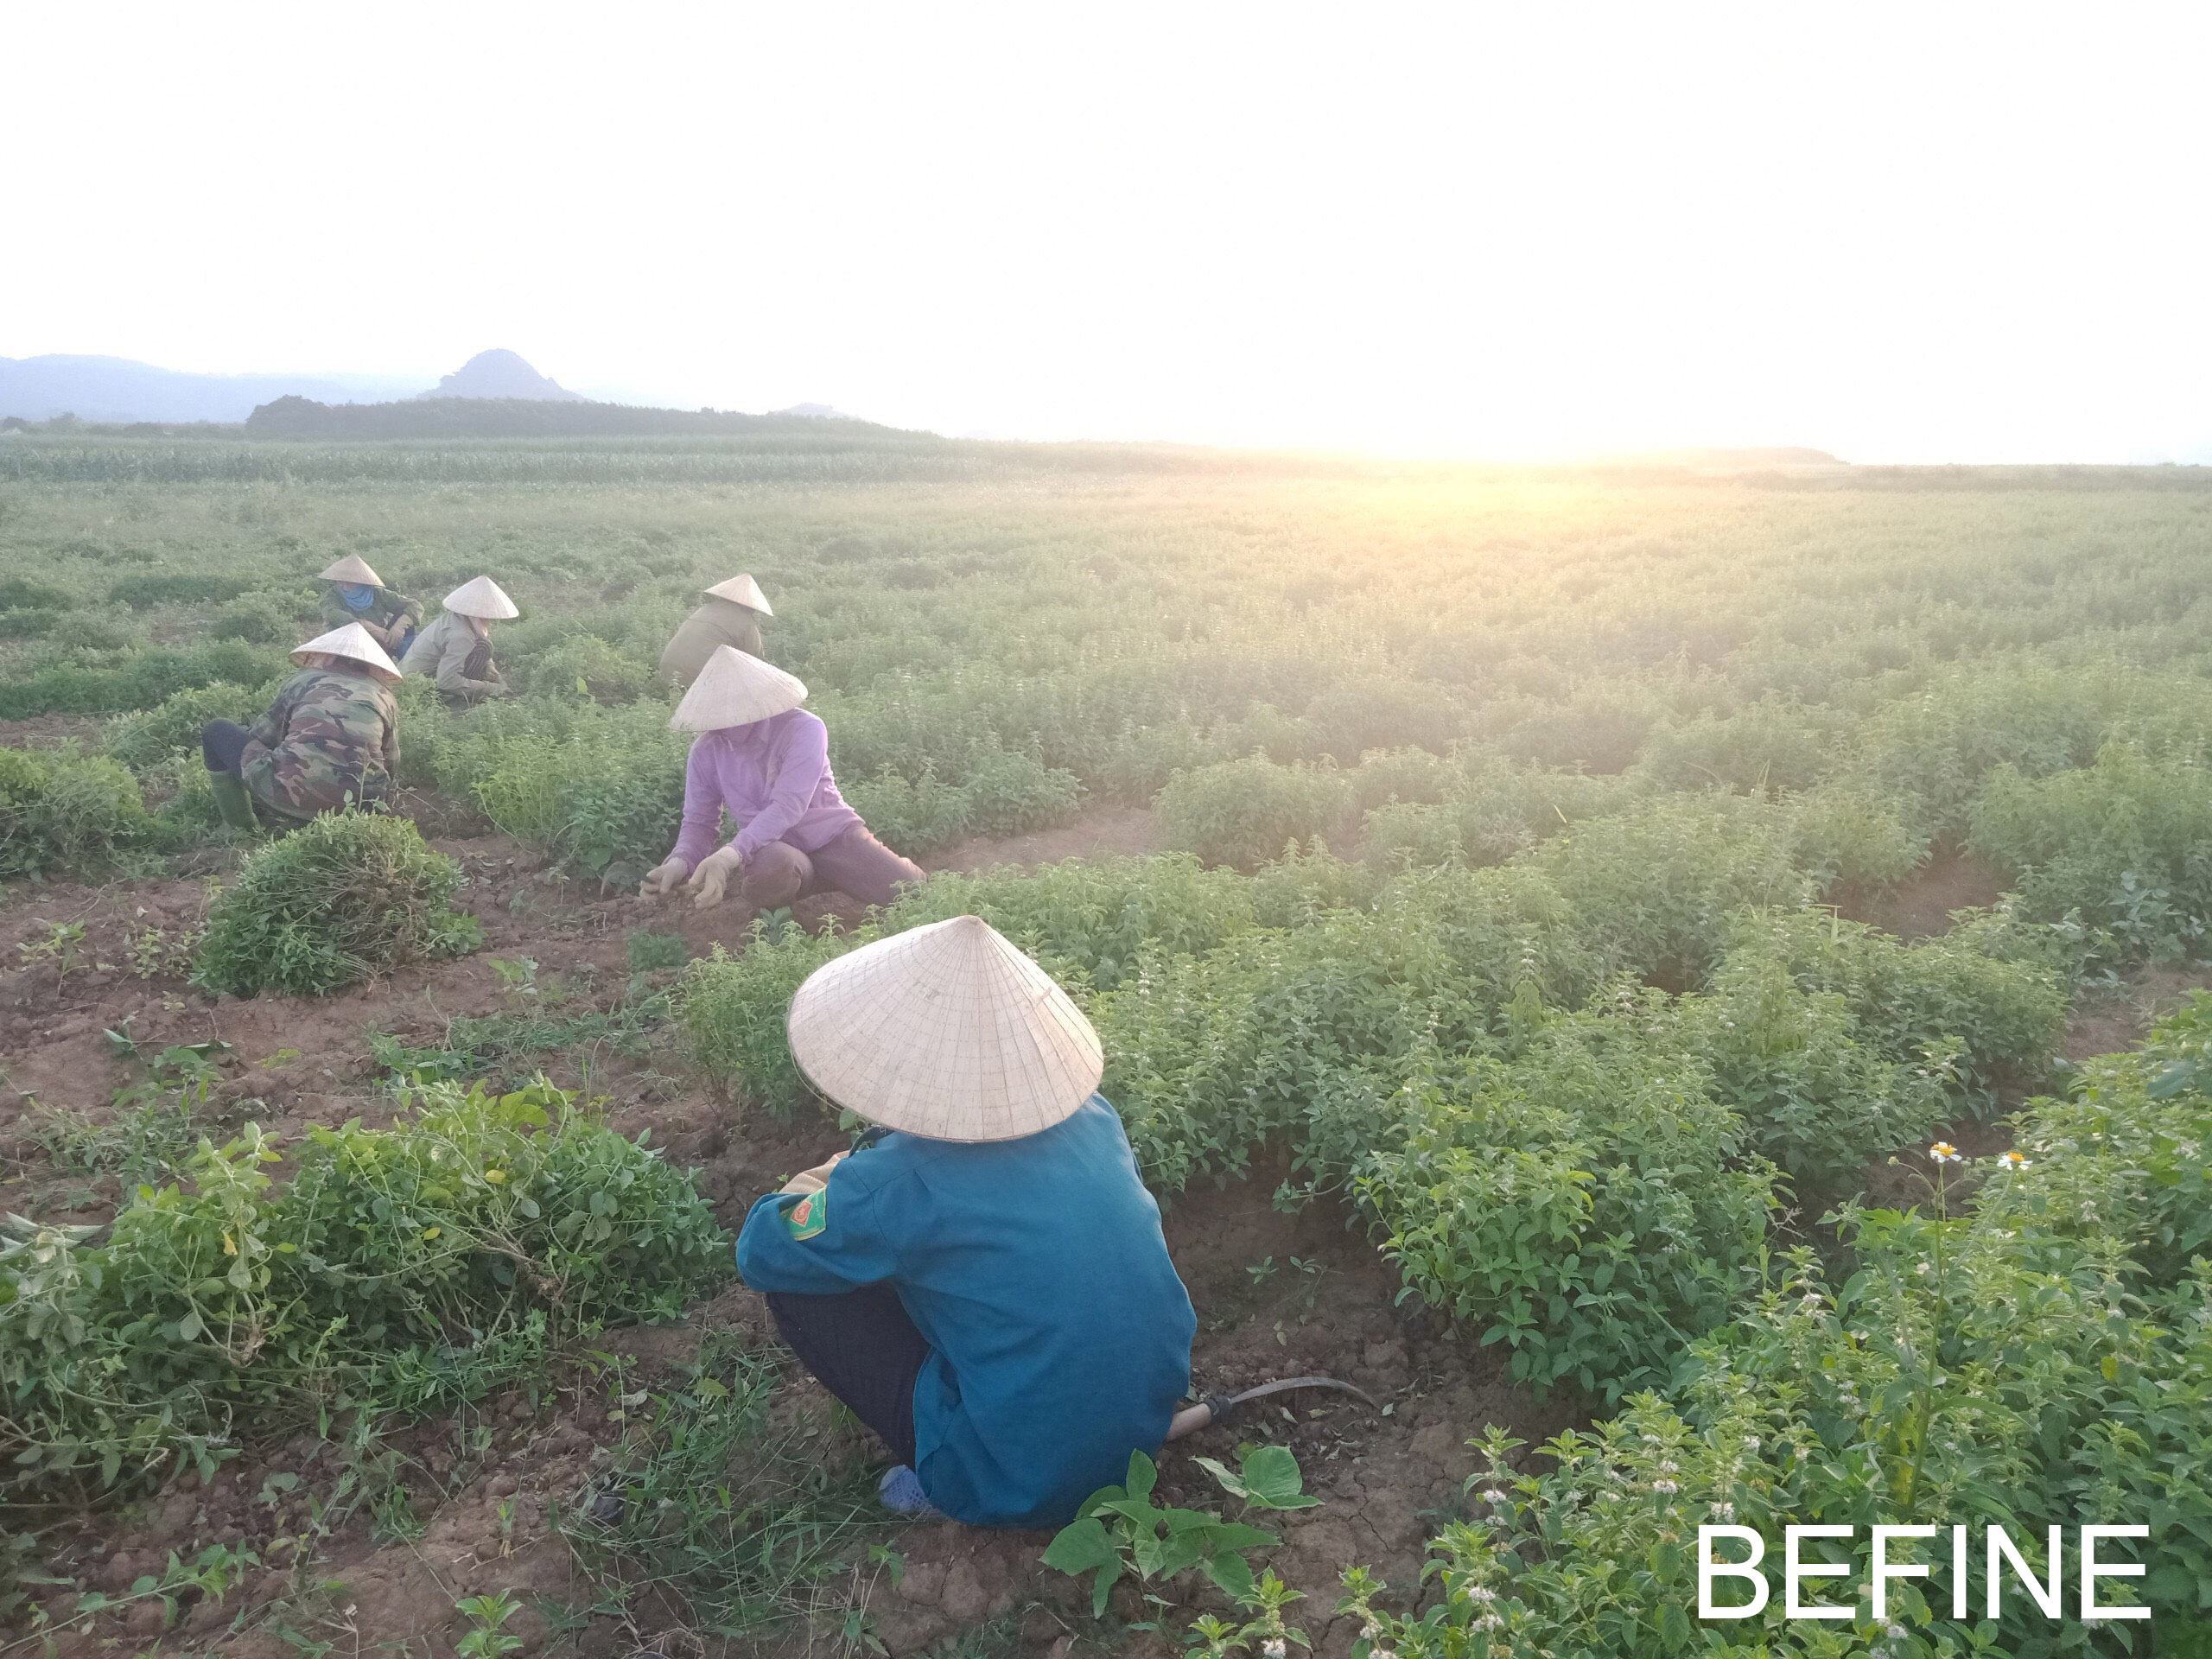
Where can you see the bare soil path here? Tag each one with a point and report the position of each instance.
(1923, 904)
(1099, 832)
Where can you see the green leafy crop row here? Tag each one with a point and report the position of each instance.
(1506, 661)
(1560, 1157)
(137, 680)
(2031, 1347)
(230, 1299)
(60, 808)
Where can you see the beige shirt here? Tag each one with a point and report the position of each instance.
(717, 622)
(442, 652)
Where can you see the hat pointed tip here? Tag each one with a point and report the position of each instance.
(946, 1031)
(736, 688)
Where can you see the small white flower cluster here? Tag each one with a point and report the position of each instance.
(1665, 1486)
(1275, 1647)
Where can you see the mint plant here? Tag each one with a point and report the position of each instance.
(1120, 1531)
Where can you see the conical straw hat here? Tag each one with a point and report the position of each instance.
(744, 591)
(352, 568)
(735, 688)
(353, 641)
(482, 597)
(948, 1032)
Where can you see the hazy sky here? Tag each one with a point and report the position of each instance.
(1944, 232)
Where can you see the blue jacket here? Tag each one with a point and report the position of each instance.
(1037, 1272)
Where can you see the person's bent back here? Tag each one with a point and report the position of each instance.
(730, 617)
(763, 760)
(454, 652)
(330, 740)
(1034, 1269)
(355, 593)
(988, 1289)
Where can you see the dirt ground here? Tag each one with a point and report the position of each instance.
(1101, 832)
(2105, 1022)
(1950, 881)
(1322, 1303)
(1322, 1300)
(44, 731)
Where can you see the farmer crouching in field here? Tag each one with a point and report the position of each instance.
(330, 740)
(985, 1284)
(766, 761)
(455, 650)
(730, 617)
(356, 593)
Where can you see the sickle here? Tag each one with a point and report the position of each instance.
(1219, 1407)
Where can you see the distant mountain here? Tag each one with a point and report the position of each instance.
(816, 412)
(536, 417)
(501, 373)
(118, 389)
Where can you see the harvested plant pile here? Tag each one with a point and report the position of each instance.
(348, 895)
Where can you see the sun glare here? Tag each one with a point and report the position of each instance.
(1432, 230)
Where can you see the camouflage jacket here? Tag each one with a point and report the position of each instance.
(718, 622)
(389, 617)
(330, 737)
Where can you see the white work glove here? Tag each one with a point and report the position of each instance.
(813, 1180)
(713, 875)
(661, 880)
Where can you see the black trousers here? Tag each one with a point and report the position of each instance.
(861, 1347)
(221, 743)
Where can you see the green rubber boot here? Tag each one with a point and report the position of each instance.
(234, 803)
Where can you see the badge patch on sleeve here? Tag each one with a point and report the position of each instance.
(807, 1218)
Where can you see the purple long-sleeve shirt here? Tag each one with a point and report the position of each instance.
(773, 776)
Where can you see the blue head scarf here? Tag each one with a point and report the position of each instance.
(358, 595)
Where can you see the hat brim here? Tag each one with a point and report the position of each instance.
(483, 599)
(389, 676)
(735, 688)
(354, 570)
(948, 1032)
